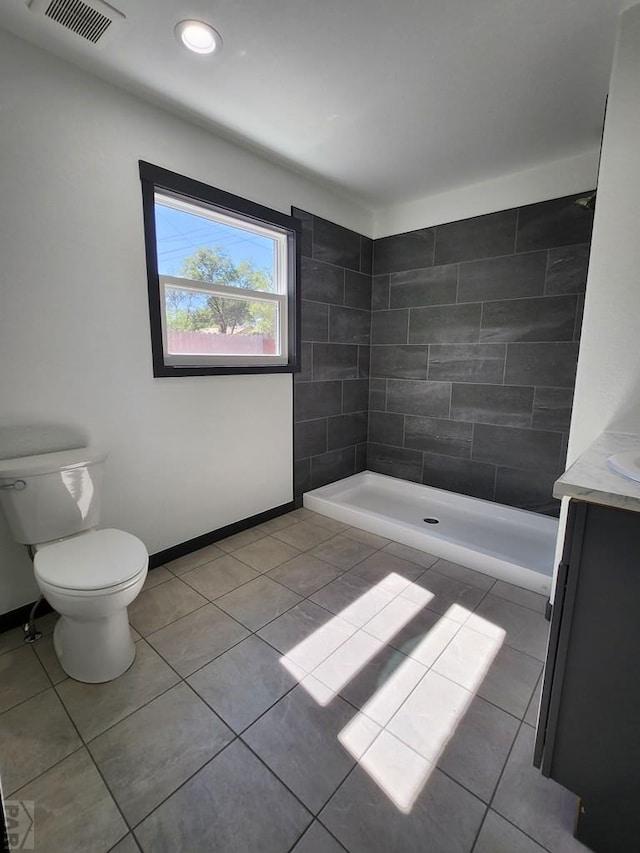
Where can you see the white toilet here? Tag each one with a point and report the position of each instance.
(89, 576)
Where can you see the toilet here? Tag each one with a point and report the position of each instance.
(89, 576)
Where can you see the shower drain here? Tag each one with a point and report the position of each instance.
(431, 520)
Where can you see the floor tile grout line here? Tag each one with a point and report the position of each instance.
(93, 761)
(182, 784)
(429, 668)
(260, 716)
(308, 596)
(223, 553)
(128, 835)
(384, 727)
(301, 836)
(235, 739)
(111, 794)
(252, 632)
(260, 627)
(504, 643)
(265, 571)
(487, 592)
(520, 720)
(517, 603)
(277, 650)
(28, 699)
(85, 744)
(260, 574)
(200, 668)
(298, 683)
(240, 586)
(90, 740)
(308, 829)
(245, 583)
(479, 830)
(211, 758)
(325, 827)
(495, 790)
(184, 678)
(9, 794)
(236, 734)
(212, 601)
(282, 782)
(433, 764)
(526, 834)
(20, 644)
(337, 615)
(538, 683)
(434, 568)
(171, 621)
(340, 785)
(227, 592)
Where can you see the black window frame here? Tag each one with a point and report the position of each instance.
(155, 178)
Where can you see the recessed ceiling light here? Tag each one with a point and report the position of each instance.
(198, 36)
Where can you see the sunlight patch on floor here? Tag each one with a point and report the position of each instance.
(421, 717)
(337, 651)
(402, 730)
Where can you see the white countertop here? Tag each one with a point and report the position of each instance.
(591, 479)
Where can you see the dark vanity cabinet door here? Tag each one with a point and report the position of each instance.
(588, 736)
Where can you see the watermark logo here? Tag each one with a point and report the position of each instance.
(19, 816)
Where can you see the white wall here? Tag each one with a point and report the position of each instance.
(546, 181)
(187, 455)
(607, 391)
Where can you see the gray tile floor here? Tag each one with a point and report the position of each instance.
(302, 687)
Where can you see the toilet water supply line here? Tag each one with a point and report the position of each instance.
(31, 633)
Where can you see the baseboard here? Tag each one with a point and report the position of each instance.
(214, 536)
(20, 615)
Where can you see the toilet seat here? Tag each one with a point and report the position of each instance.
(97, 561)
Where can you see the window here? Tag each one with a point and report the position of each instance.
(222, 274)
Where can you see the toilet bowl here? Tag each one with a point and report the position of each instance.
(90, 579)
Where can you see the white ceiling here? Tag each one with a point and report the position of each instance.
(391, 100)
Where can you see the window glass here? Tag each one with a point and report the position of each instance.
(222, 275)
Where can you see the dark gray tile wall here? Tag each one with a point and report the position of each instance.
(331, 392)
(445, 356)
(474, 342)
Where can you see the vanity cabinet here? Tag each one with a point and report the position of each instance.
(588, 734)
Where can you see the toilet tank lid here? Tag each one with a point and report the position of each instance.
(95, 560)
(46, 463)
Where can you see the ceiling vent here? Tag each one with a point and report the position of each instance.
(93, 21)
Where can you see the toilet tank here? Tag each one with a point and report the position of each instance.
(52, 495)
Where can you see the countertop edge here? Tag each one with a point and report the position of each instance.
(589, 478)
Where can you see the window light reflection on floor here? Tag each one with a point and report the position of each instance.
(337, 651)
(401, 758)
(403, 729)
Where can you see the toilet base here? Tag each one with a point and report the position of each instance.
(95, 650)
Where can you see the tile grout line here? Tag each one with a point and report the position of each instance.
(254, 633)
(28, 699)
(93, 761)
(308, 829)
(153, 698)
(171, 621)
(504, 767)
(235, 739)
